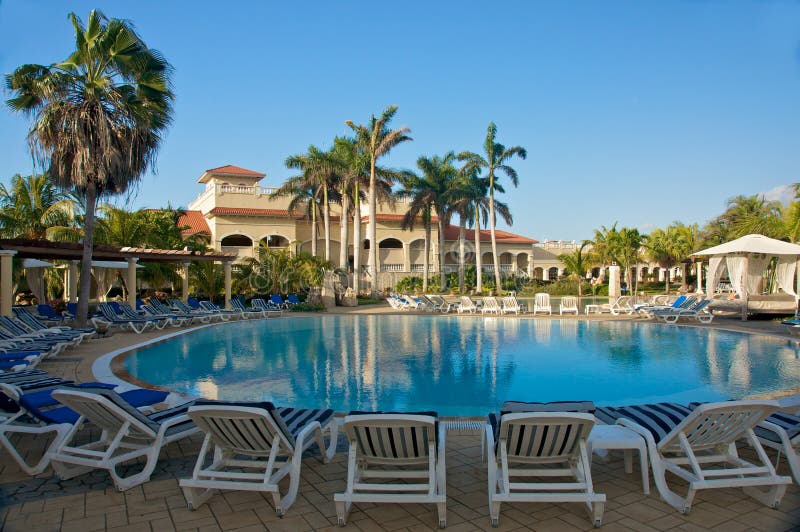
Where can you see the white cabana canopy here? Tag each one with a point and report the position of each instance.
(113, 264)
(753, 244)
(746, 259)
(35, 263)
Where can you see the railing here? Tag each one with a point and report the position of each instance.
(504, 268)
(245, 189)
(421, 268)
(391, 267)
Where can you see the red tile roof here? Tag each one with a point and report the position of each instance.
(451, 233)
(195, 221)
(395, 218)
(235, 170)
(241, 211)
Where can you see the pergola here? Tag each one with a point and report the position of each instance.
(72, 252)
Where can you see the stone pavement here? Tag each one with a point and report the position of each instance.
(90, 502)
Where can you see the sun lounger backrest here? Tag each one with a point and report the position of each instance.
(543, 437)
(713, 424)
(392, 436)
(244, 428)
(107, 410)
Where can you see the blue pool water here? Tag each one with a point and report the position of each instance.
(464, 366)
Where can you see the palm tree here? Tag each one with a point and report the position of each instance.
(98, 116)
(377, 140)
(494, 162)
(670, 246)
(626, 245)
(429, 192)
(303, 195)
(602, 247)
(461, 197)
(30, 206)
(577, 264)
(318, 175)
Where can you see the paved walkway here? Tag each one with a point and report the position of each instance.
(90, 502)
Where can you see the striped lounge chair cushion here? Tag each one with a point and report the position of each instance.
(397, 442)
(290, 420)
(518, 407)
(788, 422)
(659, 418)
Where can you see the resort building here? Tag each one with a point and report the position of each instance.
(239, 215)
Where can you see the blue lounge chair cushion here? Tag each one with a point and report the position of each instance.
(17, 355)
(11, 364)
(659, 418)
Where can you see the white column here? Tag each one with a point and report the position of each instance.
(699, 266)
(545, 273)
(6, 281)
(406, 257)
(227, 267)
(72, 269)
(530, 265)
(744, 287)
(614, 289)
(131, 281)
(185, 281)
(661, 274)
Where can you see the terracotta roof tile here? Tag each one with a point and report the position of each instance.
(195, 221)
(451, 233)
(395, 218)
(235, 170)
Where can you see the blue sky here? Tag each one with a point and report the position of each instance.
(640, 112)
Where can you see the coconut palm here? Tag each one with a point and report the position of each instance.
(603, 249)
(460, 198)
(318, 175)
(98, 117)
(626, 245)
(30, 206)
(376, 140)
(577, 264)
(429, 193)
(494, 162)
(304, 195)
(668, 247)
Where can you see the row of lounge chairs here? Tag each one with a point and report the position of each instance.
(158, 315)
(464, 304)
(253, 446)
(25, 340)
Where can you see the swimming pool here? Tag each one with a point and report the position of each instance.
(464, 366)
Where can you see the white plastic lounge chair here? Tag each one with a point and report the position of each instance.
(247, 312)
(681, 441)
(541, 303)
(395, 446)
(414, 302)
(440, 304)
(781, 431)
(510, 304)
(543, 445)
(127, 434)
(108, 318)
(34, 418)
(568, 304)
(622, 305)
(698, 311)
(467, 305)
(269, 310)
(255, 445)
(490, 306)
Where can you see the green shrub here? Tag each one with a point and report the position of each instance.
(307, 307)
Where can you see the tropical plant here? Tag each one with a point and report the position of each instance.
(577, 264)
(280, 271)
(30, 206)
(625, 246)
(376, 140)
(304, 196)
(602, 253)
(428, 193)
(98, 117)
(494, 162)
(668, 247)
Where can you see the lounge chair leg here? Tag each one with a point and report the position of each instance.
(442, 509)
(771, 497)
(342, 511)
(596, 510)
(197, 497)
(494, 512)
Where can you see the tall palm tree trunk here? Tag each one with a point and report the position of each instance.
(356, 242)
(442, 275)
(313, 229)
(666, 280)
(478, 258)
(86, 258)
(372, 229)
(343, 231)
(326, 220)
(462, 237)
(498, 285)
(426, 257)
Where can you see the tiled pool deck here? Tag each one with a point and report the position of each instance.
(90, 502)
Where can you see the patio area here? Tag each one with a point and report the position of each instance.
(90, 502)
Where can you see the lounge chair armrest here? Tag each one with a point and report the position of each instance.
(177, 420)
(781, 433)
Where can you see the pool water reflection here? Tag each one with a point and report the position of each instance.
(462, 365)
